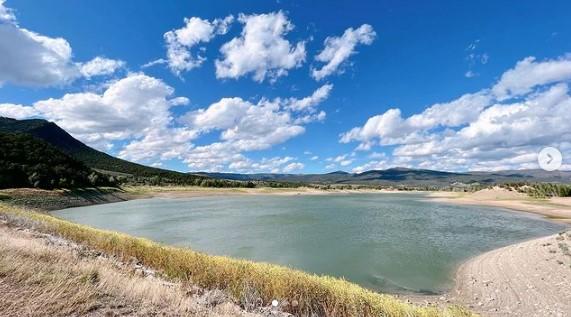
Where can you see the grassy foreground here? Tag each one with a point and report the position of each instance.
(306, 293)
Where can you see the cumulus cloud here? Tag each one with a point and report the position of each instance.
(17, 111)
(100, 66)
(340, 160)
(134, 109)
(6, 14)
(32, 59)
(529, 73)
(310, 102)
(163, 144)
(245, 126)
(291, 167)
(479, 131)
(338, 49)
(261, 49)
(128, 108)
(180, 42)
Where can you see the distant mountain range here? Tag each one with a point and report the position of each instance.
(51, 133)
(406, 176)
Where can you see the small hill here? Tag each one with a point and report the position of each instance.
(29, 162)
(59, 138)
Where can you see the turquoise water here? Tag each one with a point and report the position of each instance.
(386, 242)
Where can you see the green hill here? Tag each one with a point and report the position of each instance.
(29, 162)
(59, 138)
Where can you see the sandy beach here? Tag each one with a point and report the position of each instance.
(556, 208)
(532, 278)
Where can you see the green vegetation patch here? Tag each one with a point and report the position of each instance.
(28, 162)
(321, 295)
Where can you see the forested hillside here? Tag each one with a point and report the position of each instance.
(125, 170)
(28, 162)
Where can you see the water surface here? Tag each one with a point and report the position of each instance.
(387, 242)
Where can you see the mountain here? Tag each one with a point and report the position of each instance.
(406, 176)
(59, 138)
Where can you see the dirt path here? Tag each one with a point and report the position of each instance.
(532, 278)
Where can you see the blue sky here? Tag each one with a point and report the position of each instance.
(449, 85)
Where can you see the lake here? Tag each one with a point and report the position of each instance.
(387, 242)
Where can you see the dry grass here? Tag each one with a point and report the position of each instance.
(320, 295)
(43, 276)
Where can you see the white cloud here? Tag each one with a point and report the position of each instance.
(244, 126)
(314, 158)
(100, 66)
(135, 110)
(478, 131)
(391, 128)
(261, 49)
(250, 126)
(293, 167)
(179, 42)
(372, 165)
(32, 59)
(179, 101)
(163, 144)
(529, 73)
(341, 160)
(475, 57)
(17, 111)
(310, 102)
(6, 14)
(338, 49)
(128, 108)
(470, 74)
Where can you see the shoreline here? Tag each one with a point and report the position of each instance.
(556, 209)
(474, 276)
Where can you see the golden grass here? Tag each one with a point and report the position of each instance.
(43, 276)
(321, 295)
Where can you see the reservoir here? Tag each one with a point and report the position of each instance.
(389, 242)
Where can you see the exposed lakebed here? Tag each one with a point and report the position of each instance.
(387, 242)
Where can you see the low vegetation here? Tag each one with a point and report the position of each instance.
(540, 190)
(305, 294)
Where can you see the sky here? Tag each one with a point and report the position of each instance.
(295, 86)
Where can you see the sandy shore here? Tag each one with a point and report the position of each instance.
(532, 278)
(189, 192)
(557, 208)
